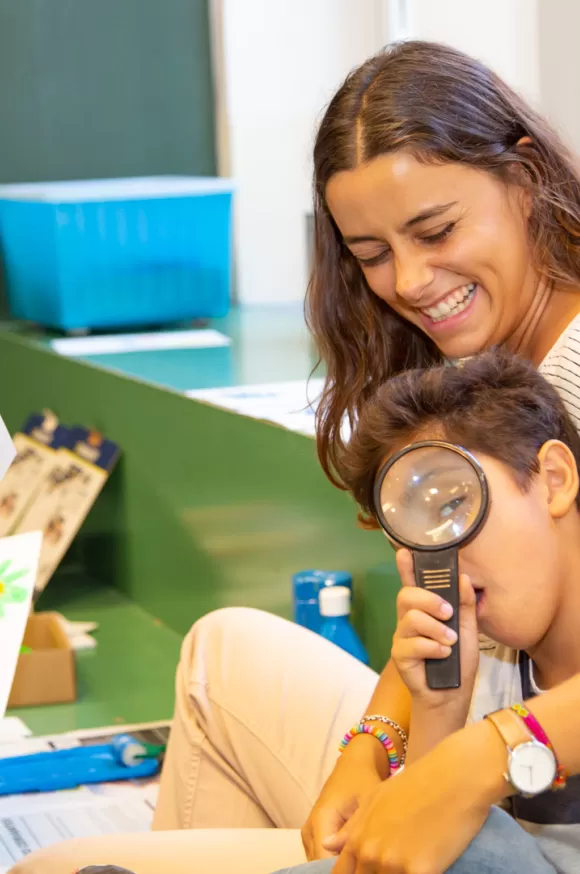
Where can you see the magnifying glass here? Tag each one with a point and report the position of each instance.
(432, 497)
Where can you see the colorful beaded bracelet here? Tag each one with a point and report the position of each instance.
(396, 727)
(538, 732)
(383, 737)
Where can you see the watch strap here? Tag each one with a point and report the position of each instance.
(510, 728)
(513, 732)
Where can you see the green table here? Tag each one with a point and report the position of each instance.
(206, 509)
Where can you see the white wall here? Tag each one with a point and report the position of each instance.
(502, 33)
(278, 64)
(532, 44)
(559, 27)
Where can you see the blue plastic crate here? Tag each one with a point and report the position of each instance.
(117, 253)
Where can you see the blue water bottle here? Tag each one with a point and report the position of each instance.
(306, 588)
(336, 625)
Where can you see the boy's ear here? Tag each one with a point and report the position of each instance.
(560, 475)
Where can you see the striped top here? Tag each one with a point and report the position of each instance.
(561, 367)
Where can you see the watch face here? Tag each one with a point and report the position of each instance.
(532, 768)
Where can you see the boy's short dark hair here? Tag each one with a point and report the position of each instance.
(104, 869)
(495, 403)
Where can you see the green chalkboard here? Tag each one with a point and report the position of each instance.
(99, 88)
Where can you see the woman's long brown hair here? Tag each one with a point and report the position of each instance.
(444, 106)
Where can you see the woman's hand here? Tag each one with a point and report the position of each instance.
(423, 819)
(421, 634)
(358, 771)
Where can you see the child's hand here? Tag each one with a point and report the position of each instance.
(421, 635)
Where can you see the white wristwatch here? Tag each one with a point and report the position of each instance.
(532, 766)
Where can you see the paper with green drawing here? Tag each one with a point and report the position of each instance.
(19, 557)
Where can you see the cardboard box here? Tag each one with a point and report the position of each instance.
(46, 675)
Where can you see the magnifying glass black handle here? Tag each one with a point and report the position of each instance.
(438, 572)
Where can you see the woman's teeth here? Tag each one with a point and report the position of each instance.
(452, 305)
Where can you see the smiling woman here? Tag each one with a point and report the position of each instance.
(447, 221)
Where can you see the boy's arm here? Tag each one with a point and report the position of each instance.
(421, 634)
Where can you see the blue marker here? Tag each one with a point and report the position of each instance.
(123, 759)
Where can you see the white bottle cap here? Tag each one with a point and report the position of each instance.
(334, 601)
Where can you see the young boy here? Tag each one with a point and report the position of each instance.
(520, 587)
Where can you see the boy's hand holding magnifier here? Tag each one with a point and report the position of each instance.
(431, 499)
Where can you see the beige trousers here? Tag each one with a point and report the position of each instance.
(261, 705)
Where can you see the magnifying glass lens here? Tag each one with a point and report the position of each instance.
(430, 497)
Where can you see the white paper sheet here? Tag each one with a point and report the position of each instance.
(289, 404)
(79, 634)
(7, 449)
(111, 344)
(32, 821)
(12, 730)
(19, 557)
